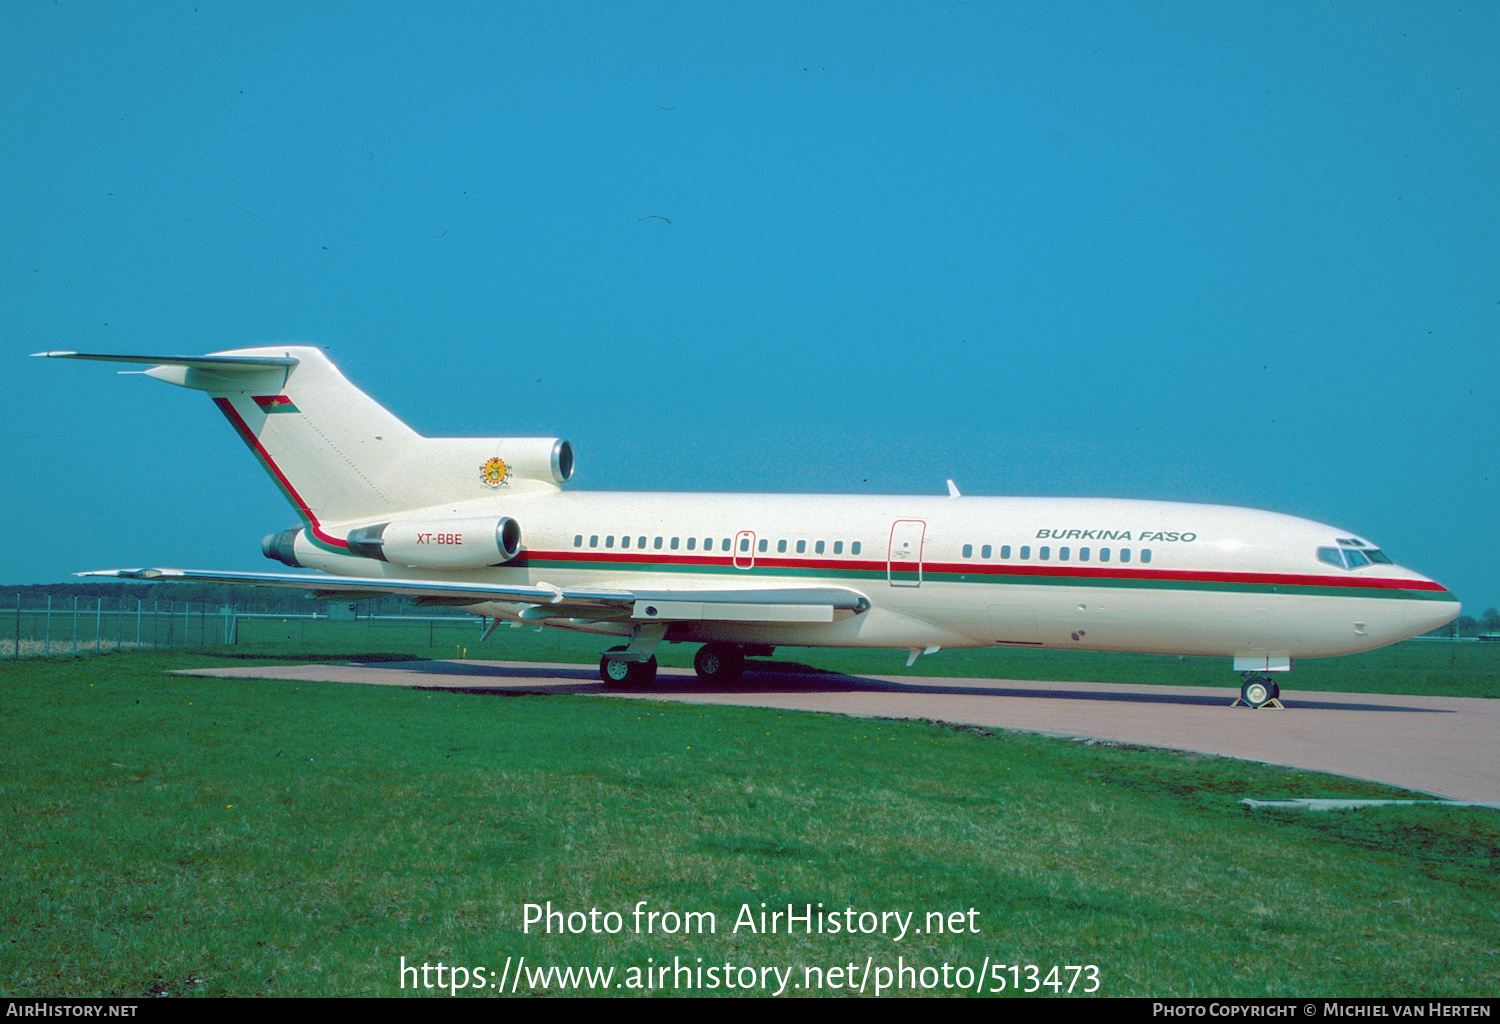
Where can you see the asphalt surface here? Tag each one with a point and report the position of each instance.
(1443, 746)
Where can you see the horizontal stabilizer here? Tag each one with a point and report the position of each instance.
(214, 363)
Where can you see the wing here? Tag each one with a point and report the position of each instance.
(738, 604)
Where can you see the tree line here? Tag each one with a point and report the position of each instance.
(1468, 625)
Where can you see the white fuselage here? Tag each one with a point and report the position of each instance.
(1084, 574)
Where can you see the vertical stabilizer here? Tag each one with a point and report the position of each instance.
(338, 455)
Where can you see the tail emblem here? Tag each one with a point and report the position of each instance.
(494, 472)
(274, 403)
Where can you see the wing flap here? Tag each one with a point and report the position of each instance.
(730, 611)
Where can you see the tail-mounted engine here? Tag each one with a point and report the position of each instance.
(433, 544)
(440, 544)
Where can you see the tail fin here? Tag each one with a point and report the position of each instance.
(337, 454)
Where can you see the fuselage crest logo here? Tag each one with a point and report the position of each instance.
(495, 472)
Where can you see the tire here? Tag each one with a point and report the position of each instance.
(642, 673)
(717, 664)
(626, 675)
(1257, 690)
(616, 674)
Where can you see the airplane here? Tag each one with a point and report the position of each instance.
(484, 524)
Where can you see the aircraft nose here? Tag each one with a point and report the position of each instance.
(1435, 613)
(1442, 613)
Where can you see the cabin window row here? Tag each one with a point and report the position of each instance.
(762, 546)
(1044, 553)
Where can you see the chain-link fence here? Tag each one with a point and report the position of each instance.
(79, 626)
(42, 625)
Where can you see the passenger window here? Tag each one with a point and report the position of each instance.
(642, 543)
(1124, 554)
(854, 548)
(744, 543)
(763, 545)
(801, 546)
(1145, 554)
(609, 541)
(657, 544)
(728, 545)
(1025, 551)
(984, 552)
(692, 543)
(624, 542)
(1062, 554)
(838, 547)
(594, 541)
(1044, 553)
(578, 541)
(1104, 554)
(1004, 550)
(781, 546)
(674, 543)
(708, 543)
(1083, 554)
(968, 551)
(818, 547)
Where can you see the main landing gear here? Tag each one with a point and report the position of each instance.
(1258, 692)
(716, 664)
(719, 663)
(626, 675)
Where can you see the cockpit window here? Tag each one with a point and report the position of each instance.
(1352, 558)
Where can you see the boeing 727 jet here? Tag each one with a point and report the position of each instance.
(484, 524)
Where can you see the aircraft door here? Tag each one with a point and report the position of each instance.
(744, 550)
(904, 556)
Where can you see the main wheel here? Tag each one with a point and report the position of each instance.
(626, 675)
(1257, 690)
(615, 673)
(719, 663)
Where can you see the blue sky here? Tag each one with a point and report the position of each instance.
(1234, 253)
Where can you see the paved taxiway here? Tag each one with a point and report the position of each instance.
(1445, 746)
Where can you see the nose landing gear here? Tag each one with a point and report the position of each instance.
(1259, 692)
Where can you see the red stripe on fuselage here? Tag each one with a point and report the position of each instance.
(726, 562)
(1192, 575)
(248, 436)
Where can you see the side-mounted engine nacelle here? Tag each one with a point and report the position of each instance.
(461, 468)
(431, 544)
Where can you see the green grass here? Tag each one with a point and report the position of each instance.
(189, 836)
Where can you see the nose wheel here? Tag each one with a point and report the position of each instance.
(1258, 692)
